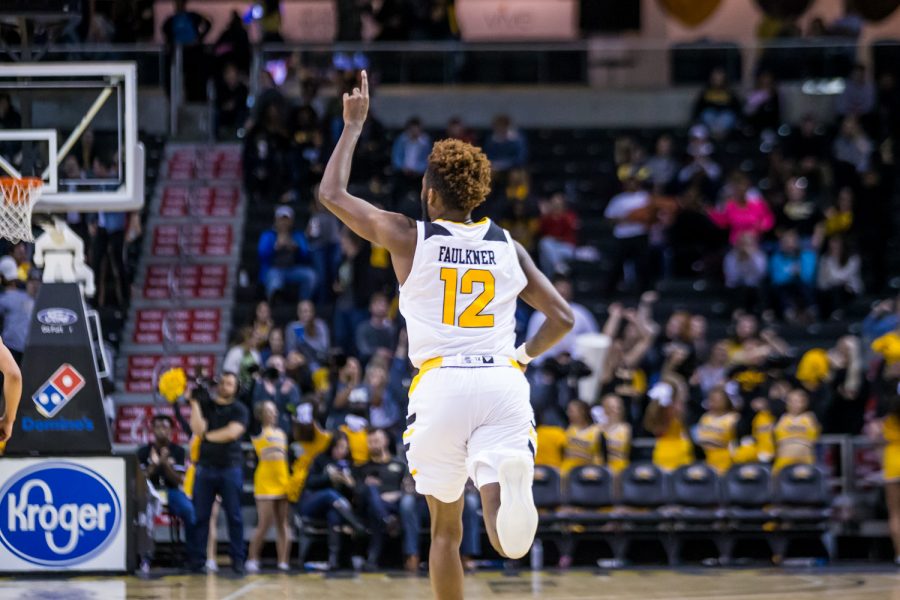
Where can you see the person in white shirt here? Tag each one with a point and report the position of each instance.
(631, 213)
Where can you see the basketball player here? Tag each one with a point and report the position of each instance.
(12, 393)
(469, 412)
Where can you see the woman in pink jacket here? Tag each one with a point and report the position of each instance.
(745, 211)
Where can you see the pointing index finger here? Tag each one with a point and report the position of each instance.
(365, 84)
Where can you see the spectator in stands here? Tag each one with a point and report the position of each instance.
(265, 152)
(352, 291)
(852, 146)
(220, 423)
(717, 106)
(582, 438)
(393, 20)
(522, 222)
(164, 464)
(323, 232)
(616, 433)
(714, 372)
(839, 280)
(800, 213)
(308, 334)
(630, 212)
(378, 332)
(262, 320)
(243, 357)
(665, 419)
(381, 491)
(270, 485)
(792, 272)
(108, 241)
(16, 306)
(808, 139)
(623, 372)
(717, 430)
(762, 109)
(745, 210)
(284, 257)
(274, 346)
(231, 102)
(409, 158)
(839, 216)
(233, 46)
(662, 165)
(328, 493)
(278, 389)
(506, 148)
(559, 235)
(796, 433)
(187, 29)
(745, 268)
(859, 97)
(458, 130)
(881, 320)
(584, 323)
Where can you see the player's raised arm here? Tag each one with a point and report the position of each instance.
(540, 294)
(391, 230)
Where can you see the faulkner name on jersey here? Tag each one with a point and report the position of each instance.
(458, 256)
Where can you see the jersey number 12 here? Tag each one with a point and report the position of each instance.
(473, 315)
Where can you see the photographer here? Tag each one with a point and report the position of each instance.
(219, 422)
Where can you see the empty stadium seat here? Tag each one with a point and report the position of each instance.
(644, 492)
(697, 512)
(747, 494)
(802, 507)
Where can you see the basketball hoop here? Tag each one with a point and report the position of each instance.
(19, 196)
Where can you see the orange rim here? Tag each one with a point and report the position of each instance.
(17, 191)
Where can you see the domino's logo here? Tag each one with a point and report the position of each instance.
(56, 392)
(58, 514)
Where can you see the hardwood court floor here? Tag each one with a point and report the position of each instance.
(706, 584)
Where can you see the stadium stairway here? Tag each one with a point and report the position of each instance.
(182, 293)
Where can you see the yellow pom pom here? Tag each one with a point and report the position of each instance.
(172, 384)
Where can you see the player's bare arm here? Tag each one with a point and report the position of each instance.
(12, 391)
(390, 230)
(540, 294)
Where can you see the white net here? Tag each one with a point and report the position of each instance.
(18, 199)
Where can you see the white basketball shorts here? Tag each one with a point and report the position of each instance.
(462, 422)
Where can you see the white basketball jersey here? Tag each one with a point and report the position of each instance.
(460, 296)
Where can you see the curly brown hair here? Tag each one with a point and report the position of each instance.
(460, 173)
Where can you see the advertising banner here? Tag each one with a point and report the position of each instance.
(64, 514)
(61, 411)
(517, 20)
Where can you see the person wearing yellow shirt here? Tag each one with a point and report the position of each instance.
(551, 445)
(270, 483)
(312, 441)
(796, 433)
(890, 432)
(582, 438)
(664, 418)
(616, 434)
(717, 430)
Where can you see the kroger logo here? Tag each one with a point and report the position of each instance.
(57, 316)
(57, 514)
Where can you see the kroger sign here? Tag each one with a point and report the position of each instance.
(58, 514)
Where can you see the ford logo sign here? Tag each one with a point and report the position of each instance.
(57, 316)
(57, 514)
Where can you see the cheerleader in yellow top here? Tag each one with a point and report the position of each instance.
(270, 486)
(551, 445)
(665, 419)
(795, 433)
(616, 434)
(311, 442)
(760, 445)
(890, 431)
(582, 438)
(717, 430)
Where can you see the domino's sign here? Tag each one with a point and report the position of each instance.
(62, 515)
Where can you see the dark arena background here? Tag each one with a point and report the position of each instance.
(710, 184)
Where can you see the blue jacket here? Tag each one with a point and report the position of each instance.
(421, 148)
(266, 251)
(780, 267)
